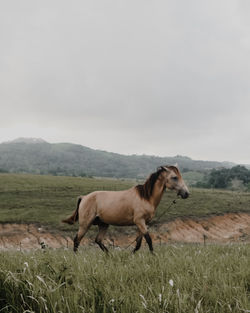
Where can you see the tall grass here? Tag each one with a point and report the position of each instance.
(179, 278)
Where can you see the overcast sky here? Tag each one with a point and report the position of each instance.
(131, 76)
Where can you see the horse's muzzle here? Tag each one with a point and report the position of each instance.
(183, 194)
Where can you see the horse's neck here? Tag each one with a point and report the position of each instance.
(157, 194)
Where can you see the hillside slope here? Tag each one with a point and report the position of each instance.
(227, 228)
(40, 157)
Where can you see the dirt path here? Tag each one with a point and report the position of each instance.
(233, 227)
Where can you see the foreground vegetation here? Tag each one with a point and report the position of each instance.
(48, 199)
(179, 278)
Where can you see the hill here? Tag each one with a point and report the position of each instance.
(31, 155)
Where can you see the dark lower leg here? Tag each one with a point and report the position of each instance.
(138, 243)
(83, 228)
(149, 241)
(76, 243)
(102, 231)
(102, 246)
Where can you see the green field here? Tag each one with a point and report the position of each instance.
(48, 199)
(179, 278)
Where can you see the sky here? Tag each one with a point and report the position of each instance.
(150, 77)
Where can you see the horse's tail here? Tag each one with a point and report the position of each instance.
(74, 217)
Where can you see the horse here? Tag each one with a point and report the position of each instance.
(134, 206)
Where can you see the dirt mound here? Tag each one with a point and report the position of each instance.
(28, 236)
(225, 228)
(233, 227)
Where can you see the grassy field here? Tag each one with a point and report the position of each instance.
(192, 177)
(48, 199)
(179, 278)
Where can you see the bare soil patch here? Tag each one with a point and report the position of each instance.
(232, 227)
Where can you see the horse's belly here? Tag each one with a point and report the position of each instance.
(122, 224)
(112, 216)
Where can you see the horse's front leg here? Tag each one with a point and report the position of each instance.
(149, 241)
(138, 242)
(141, 224)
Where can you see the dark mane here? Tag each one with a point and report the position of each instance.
(145, 191)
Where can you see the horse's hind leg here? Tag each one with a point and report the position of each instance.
(83, 228)
(80, 234)
(86, 217)
(102, 231)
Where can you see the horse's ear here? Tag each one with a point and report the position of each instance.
(176, 165)
(163, 168)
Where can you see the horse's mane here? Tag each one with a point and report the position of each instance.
(146, 190)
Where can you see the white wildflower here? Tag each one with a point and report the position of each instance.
(178, 293)
(44, 302)
(143, 298)
(160, 297)
(171, 282)
(144, 302)
(31, 297)
(198, 306)
(29, 283)
(41, 280)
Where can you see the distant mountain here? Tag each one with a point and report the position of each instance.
(27, 140)
(32, 155)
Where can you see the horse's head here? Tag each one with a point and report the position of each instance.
(174, 181)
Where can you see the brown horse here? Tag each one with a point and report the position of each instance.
(134, 206)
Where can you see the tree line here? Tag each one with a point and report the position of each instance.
(237, 177)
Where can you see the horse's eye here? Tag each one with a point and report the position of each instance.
(175, 178)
